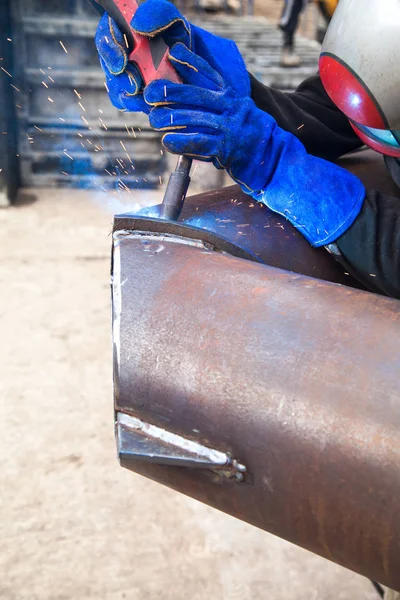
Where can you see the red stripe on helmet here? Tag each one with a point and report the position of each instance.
(349, 93)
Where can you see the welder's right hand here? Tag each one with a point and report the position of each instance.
(161, 17)
(123, 80)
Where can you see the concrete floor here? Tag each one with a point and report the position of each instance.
(74, 525)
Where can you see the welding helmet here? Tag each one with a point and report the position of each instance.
(360, 69)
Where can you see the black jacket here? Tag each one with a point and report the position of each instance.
(370, 248)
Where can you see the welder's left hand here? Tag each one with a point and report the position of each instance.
(208, 119)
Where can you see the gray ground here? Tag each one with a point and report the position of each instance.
(74, 525)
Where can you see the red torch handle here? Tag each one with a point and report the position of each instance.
(150, 55)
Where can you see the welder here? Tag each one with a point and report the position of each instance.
(288, 24)
(281, 147)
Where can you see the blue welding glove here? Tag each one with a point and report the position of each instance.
(210, 120)
(161, 17)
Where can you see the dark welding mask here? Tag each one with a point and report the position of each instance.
(360, 69)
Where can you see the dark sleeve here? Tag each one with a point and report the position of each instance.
(310, 115)
(370, 248)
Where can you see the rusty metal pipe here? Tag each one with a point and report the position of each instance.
(296, 379)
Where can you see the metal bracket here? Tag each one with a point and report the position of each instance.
(141, 441)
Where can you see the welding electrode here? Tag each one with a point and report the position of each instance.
(177, 187)
(151, 58)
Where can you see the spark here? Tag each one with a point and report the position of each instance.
(159, 177)
(78, 94)
(80, 135)
(18, 106)
(133, 131)
(82, 107)
(108, 172)
(49, 68)
(126, 127)
(51, 79)
(66, 154)
(84, 120)
(126, 41)
(106, 38)
(87, 139)
(9, 40)
(105, 85)
(139, 129)
(300, 126)
(63, 47)
(124, 185)
(6, 72)
(41, 70)
(119, 161)
(122, 144)
(372, 275)
(15, 88)
(64, 173)
(45, 85)
(61, 119)
(38, 128)
(161, 152)
(49, 99)
(100, 111)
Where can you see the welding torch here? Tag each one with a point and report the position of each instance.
(150, 55)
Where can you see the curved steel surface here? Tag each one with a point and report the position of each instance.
(231, 213)
(296, 378)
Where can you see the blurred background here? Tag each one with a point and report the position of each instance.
(74, 525)
(58, 128)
